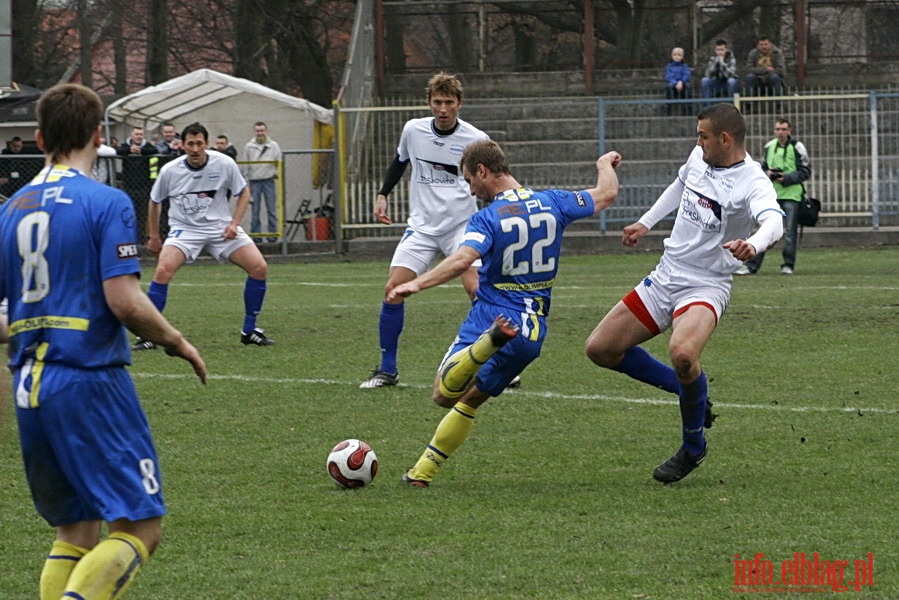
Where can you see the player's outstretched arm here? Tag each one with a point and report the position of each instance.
(131, 306)
(449, 268)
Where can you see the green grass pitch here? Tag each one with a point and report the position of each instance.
(551, 496)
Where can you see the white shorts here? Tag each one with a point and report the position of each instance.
(671, 289)
(191, 243)
(416, 251)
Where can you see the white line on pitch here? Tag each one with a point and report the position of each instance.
(550, 395)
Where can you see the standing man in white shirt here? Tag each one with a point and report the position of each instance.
(262, 178)
(720, 193)
(439, 206)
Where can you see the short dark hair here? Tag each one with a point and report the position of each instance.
(721, 42)
(193, 129)
(725, 117)
(783, 120)
(487, 153)
(222, 136)
(68, 115)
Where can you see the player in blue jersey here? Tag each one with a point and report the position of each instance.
(68, 265)
(719, 194)
(439, 207)
(198, 186)
(518, 237)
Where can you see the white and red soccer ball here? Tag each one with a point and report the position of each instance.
(352, 464)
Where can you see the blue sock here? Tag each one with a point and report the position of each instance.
(692, 413)
(390, 326)
(158, 293)
(253, 295)
(642, 366)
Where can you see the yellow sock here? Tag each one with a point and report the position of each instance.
(459, 370)
(59, 565)
(109, 569)
(452, 431)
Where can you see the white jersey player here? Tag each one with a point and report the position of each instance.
(439, 207)
(197, 187)
(720, 193)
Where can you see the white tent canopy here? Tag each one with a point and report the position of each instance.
(230, 105)
(204, 92)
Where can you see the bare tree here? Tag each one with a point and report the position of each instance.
(158, 42)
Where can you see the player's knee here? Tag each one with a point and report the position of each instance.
(600, 354)
(684, 361)
(441, 400)
(258, 270)
(152, 541)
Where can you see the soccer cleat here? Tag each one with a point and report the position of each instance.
(412, 482)
(142, 344)
(515, 383)
(785, 270)
(709, 415)
(502, 331)
(743, 270)
(255, 337)
(678, 466)
(380, 379)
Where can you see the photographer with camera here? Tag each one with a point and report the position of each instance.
(787, 165)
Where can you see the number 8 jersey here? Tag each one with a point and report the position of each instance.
(57, 310)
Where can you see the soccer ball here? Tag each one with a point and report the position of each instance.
(352, 464)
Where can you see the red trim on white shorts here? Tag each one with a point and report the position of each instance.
(684, 309)
(635, 304)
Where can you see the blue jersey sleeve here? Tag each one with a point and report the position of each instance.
(118, 236)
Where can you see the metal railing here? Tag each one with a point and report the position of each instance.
(852, 139)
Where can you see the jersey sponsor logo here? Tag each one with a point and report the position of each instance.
(457, 149)
(126, 250)
(438, 174)
(474, 236)
(580, 199)
(48, 322)
(194, 203)
(701, 211)
(525, 287)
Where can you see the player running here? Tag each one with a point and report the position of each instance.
(519, 239)
(720, 193)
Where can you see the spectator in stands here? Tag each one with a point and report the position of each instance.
(765, 69)
(677, 81)
(170, 144)
(720, 74)
(15, 169)
(136, 152)
(104, 165)
(225, 147)
(263, 153)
